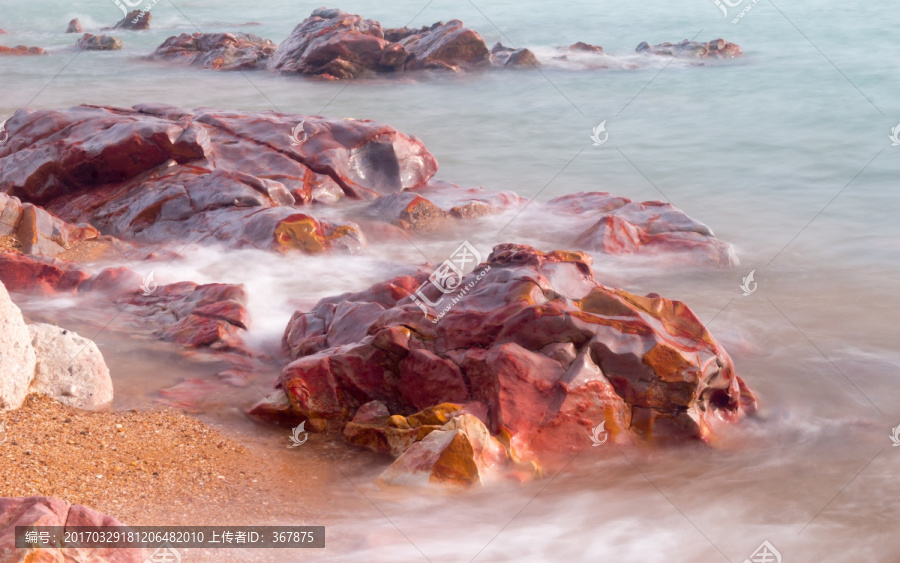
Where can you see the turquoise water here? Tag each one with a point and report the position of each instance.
(783, 153)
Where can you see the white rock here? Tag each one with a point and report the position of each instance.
(17, 357)
(70, 368)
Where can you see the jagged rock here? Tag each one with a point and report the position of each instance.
(217, 51)
(550, 351)
(136, 20)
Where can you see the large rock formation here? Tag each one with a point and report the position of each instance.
(532, 335)
(217, 51)
(51, 511)
(50, 361)
(336, 45)
(158, 173)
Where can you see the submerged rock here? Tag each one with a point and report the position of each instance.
(715, 49)
(22, 50)
(551, 352)
(90, 42)
(217, 51)
(508, 57)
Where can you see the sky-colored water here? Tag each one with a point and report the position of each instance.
(784, 153)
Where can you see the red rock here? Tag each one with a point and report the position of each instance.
(22, 50)
(715, 49)
(50, 511)
(585, 47)
(75, 26)
(39, 232)
(26, 274)
(89, 42)
(336, 45)
(616, 225)
(217, 51)
(550, 351)
(158, 173)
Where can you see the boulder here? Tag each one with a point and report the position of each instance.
(90, 42)
(70, 368)
(217, 51)
(40, 233)
(535, 337)
(715, 49)
(17, 357)
(75, 26)
(616, 225)
(159, 174)
(585, 48)
(51, 511)
(446, 46)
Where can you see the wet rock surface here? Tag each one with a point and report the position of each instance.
(551, 351)
(715, 49)
(217, 51)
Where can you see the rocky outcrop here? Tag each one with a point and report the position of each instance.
(715, 49)
(50, 361)
(51, 511)
(89, 42)
(336, 45)
(158, 173)
(75, 26)
(616, 225)
(552, 353)
(217, 51)
(21, 50)
(39, 232)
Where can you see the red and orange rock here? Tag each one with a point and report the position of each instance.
(551, 352)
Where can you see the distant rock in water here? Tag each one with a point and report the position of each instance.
(333, 44)
(89, 42)
(715, 49)
(217, 51)
(136, 20)
(509, 57)
(75, 26)
(22, 50)
(546, 348)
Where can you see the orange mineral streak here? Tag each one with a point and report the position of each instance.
(301, 232)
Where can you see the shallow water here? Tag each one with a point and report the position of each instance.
(783, 153)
